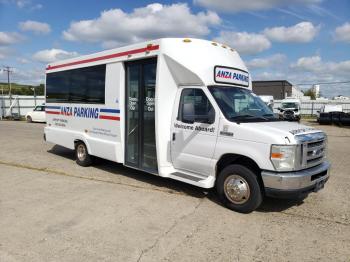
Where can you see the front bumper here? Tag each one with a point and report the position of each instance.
(290, 117)
(293, 184)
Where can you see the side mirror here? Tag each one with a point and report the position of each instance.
(188, 113)
(211, 116)
(318, 111)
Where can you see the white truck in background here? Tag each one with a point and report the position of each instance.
(290, 109)
(182, 109)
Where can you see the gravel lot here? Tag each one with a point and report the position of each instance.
(54, 210)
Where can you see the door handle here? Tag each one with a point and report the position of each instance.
(174, 136)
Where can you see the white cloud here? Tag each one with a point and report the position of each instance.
(116, 27)
(271, 61)
(8, 38)
(5, 52)
(32, 76)
(303, 32)
(311, 70)
(266, 75)
(37, 7)
(51, 55)
(22, 60)
(23, 4)
(342, 33)
(36, 27)
(315, 64)
(243, 42)
(310, 63)
(250, 5)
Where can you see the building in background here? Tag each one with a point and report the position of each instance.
(279, 89)
(316, 90)
(297, 93)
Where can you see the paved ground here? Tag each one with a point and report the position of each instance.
(53, 210)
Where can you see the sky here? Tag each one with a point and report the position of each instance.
(303, 41)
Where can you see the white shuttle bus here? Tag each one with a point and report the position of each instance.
(182, 109)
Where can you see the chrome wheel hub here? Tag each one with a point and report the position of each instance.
(236, 189)
(81, 152)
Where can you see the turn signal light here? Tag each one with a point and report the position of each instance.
(276, 155)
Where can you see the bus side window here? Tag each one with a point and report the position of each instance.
(195, 107)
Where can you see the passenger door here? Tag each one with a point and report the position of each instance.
(194, 132)
(140, 146)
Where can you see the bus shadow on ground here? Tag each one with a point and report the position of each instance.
(170, 185)
(163, 184)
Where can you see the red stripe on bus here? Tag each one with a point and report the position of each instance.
(117, 118)
(130, 52)
(53, 112)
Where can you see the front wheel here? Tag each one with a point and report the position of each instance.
(29, 119)
(81, 154)
(238, 189)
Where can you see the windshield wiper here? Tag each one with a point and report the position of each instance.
(240, 117)
(247, 116)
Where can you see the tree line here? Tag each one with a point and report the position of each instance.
(20, 89)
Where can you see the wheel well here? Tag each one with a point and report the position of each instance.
(229, 159)
(76, 141)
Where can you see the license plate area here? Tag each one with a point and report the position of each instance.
(319, 185)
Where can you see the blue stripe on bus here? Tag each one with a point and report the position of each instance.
(106, 110)
(53, 107)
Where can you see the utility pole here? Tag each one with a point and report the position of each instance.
(8, 70)
(33, 88)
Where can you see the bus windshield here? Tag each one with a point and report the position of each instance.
(241, 105)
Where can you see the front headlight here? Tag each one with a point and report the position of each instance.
(285, 157)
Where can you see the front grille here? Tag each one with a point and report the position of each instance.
(313, 152)
(313, 149)
(314, 144)
(288, 114)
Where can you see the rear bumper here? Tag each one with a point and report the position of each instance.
(292, 184)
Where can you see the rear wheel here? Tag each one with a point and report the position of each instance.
(29, 119)
(81, 154)
(238, 189)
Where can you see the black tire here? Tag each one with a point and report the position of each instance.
(29, 119)
(246, 178)
(81, 155)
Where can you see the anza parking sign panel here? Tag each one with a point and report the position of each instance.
(229, 75)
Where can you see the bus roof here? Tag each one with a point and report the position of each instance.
(191, 61)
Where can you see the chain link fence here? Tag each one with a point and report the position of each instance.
(20, 105)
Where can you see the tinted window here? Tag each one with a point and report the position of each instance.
(83, 85)
(195, 107)
(57, 87)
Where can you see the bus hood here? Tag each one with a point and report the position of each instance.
(281, 132)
